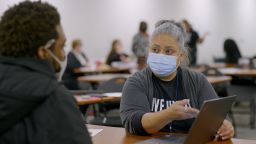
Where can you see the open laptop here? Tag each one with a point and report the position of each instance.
(205, 126)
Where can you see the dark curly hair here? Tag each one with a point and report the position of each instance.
(27, 26)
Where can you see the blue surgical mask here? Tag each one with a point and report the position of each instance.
(162, 65)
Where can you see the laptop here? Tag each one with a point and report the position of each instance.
(205, 126)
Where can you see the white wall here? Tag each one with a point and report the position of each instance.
(98, 22)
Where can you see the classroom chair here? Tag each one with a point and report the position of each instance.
(221, 89)
(245, 93)
(111, 115)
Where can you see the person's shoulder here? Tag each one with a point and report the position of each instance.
(62, 94)
(62, 90)
(188, 73)
(71, 54)
(195, 33)
(140, 76)
(142, 73)
(139, 80)
(137, 36)
(36, 84)
(136, 76)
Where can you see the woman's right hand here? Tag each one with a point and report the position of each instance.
(180, 110)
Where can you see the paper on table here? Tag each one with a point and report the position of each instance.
(85, 96)
(114, 94)
(88, 96)
(227, 70)
(93, 132)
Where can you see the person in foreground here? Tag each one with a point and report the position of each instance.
(34, 107)
(166, 96)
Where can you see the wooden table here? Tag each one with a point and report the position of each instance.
(101, 69)
(218, 65)
(238, 72)
(112, 135)
(222, 65)
(95, 100)
(101, 77)
(218, 79)
(104, 77)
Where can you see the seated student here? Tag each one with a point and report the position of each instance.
(35, 108)
(231, 51)
(154, 99)
(76, 59)
(116, 53)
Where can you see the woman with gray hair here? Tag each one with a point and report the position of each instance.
(166, 96)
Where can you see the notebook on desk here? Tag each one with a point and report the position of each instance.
(205, 126)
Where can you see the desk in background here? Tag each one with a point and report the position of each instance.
(113, 135)
(104, 77)
(96, 79)
(81, 100)
(101, 77)
(101, 69)
(218, 79)
(238, 72)
(231, 71)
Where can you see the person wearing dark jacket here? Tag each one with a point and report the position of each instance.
(231, 51)
(34, 107)
(193, 39)
(76, 59)
(116, 53)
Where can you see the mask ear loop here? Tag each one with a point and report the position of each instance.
(49, 44)
(47, 47)
(62, 63)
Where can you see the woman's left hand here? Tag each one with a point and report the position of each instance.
(226, 131)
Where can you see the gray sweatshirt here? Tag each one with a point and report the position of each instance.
(138, 95)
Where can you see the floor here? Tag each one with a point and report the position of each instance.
(243, 129)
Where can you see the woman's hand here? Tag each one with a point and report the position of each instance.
(226, 131)
(154, 121)
(181, 110)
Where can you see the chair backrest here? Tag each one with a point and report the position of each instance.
(232, 51)
(212, 72)
(221, 89)
(244, 93)
(219, 59)
(112, 85)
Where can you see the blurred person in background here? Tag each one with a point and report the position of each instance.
(193, 39)
(140, 45)
(232, 52)
(116, 53)
(76, 59)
